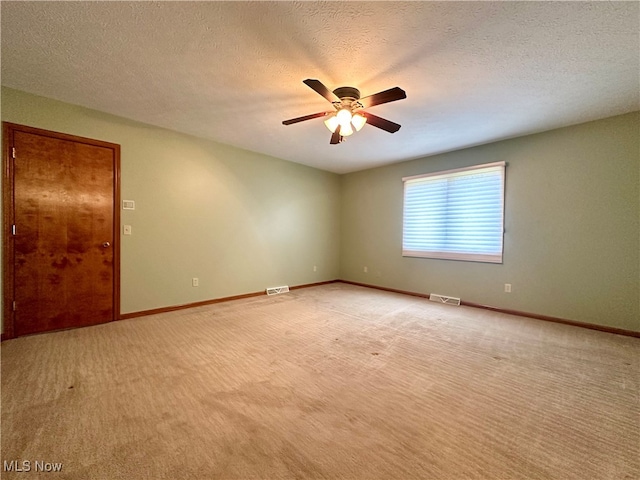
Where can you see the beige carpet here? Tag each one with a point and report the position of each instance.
(336, 381)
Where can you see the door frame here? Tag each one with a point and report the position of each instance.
(8, 217)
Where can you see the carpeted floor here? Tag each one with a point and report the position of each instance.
(335, 381)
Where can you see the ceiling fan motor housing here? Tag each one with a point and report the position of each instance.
(347, 92)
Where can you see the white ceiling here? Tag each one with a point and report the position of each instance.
(474, 72)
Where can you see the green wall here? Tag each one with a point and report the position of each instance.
(239, 221)
(572, 235)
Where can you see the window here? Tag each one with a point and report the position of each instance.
(455, 215)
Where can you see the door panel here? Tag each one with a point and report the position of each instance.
(64, 262)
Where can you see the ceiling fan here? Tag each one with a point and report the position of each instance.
(349, 111)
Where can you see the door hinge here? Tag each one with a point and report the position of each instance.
(13, 230)
(13, 152)
(14, 306)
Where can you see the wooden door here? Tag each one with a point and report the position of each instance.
(64, 231)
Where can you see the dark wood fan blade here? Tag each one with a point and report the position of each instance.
(319, 87)
(306, 117)
(382, 123)
(391, 95)
(335, 137)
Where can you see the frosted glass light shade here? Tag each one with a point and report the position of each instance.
(346, 130)
(344, 116)
(358, 121)
(332, 123)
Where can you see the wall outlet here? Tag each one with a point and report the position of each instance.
(315, 268)
(195, 282)
(365, 269)
(507, 288)
(126, 229)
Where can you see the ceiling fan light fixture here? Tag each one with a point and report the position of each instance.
(332, 123)
(349, 115)
(358, 121)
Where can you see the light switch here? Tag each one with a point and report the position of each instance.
(127, 229)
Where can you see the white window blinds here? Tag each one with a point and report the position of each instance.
(456, 215)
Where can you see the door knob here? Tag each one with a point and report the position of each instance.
(106, 244)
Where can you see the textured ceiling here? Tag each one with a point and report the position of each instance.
(474, 72)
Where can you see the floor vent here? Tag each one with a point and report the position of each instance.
(434, 297)
(277, 290)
